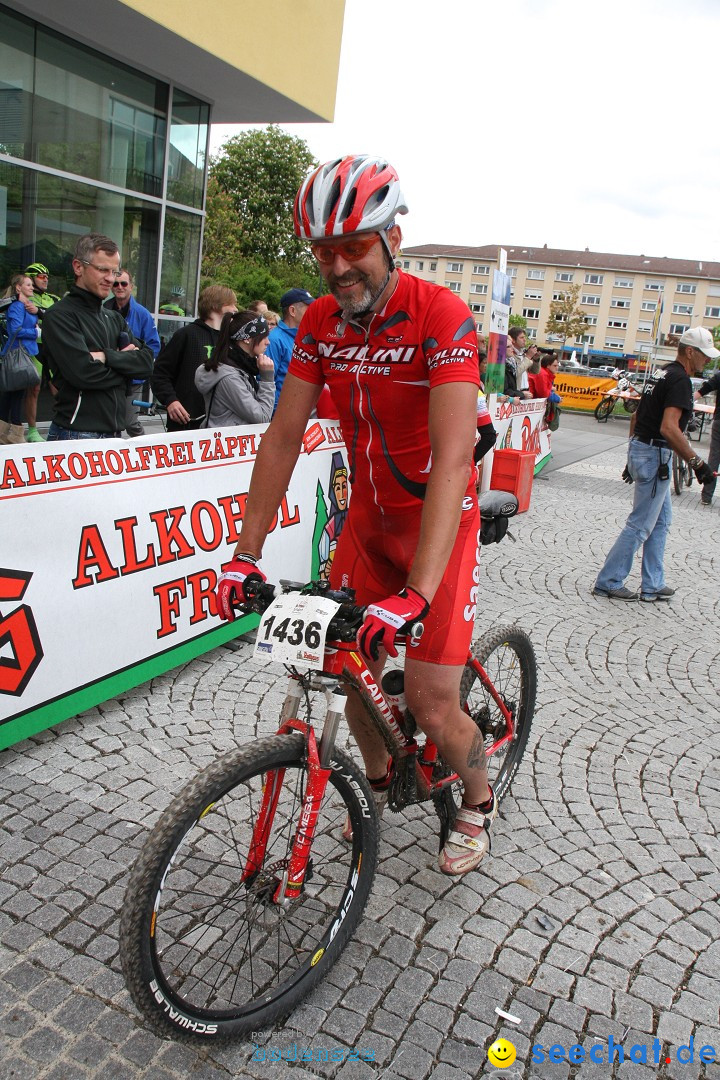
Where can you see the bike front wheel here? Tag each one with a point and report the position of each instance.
(682, 473)
(603, 410)
(206, 951)
(508, 658)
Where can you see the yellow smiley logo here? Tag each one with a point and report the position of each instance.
(502, 1053)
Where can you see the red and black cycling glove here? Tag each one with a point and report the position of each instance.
(231, 584)
(383, 620)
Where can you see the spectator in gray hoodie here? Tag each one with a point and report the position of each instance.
(237, 381)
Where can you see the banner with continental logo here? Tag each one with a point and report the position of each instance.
(582, 391)
(111, 550)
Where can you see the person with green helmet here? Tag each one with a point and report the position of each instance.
(173, 305)
(39, 275)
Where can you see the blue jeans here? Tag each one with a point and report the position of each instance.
(60, 434)
(647, 526)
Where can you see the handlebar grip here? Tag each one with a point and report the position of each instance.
(259, 595)
(143, 404)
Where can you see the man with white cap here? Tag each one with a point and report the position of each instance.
(656, 429)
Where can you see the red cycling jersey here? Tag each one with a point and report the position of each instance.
(380, 380)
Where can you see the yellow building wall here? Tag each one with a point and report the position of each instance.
(303, 66)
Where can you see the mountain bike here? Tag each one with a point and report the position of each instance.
(605, 408)
(154, 408)
(251, 883)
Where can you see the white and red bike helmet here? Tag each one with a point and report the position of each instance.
(353, 194)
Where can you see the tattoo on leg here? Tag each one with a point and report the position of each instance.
(476, 753)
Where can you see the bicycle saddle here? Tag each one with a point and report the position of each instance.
(497, 504)
(495, 509)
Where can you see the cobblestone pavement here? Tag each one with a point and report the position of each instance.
(597, 915)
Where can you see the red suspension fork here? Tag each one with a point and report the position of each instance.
(263, 826)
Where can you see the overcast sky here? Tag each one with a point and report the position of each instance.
(531, 122)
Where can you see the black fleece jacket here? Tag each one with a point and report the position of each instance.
(174, 374)
(91, 394)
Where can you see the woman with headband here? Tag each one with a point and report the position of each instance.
(237, 381)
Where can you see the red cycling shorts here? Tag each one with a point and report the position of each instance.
(374, 556)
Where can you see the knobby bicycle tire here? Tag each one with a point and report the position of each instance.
(604, 409)
(681, 472)
(677, 482)
(508, 657)
(209, 957)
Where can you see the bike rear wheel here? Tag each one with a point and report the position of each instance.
(603, 410)
(207, 955)
(508, 658)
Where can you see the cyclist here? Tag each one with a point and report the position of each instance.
(399, 355)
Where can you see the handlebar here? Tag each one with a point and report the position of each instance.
(344, 624)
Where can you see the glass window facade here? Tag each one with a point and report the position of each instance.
(181, 256)
(46, 214)
(189, 129)
(107, 129)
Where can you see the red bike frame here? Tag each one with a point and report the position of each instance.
(344, 661)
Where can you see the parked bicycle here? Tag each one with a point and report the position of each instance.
(624, 392)
(154, 408)
(254, 878)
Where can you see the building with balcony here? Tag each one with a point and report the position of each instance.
(620, 294)
(105, 113)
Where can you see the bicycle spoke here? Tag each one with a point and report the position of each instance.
(220, 939)
(509, 662)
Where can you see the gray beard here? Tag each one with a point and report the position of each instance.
(351, 307)
(368, 299)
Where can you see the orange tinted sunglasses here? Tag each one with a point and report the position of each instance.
(349, 250)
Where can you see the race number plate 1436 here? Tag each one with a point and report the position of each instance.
(293, 629)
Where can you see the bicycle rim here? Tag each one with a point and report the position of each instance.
(508, 658)
(677, 473)
(603, 410)
(206, 954)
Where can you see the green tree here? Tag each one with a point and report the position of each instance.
(566, 319)
(518, 320)
(221, 238)
(249, 281)
(252, 186)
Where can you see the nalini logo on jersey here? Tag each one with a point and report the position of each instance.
(401, 354)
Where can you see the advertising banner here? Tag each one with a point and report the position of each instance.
(582, 391)
(499, 321)
(519, 427)
(111, 549)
